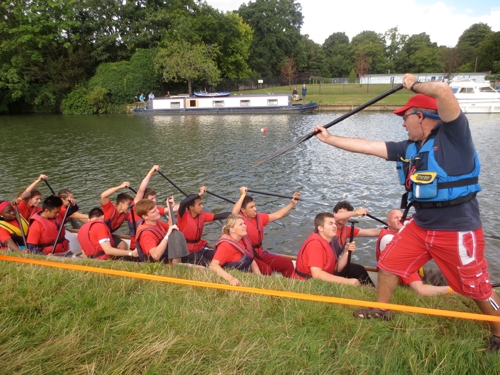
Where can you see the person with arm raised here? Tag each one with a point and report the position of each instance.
(255, 223)
(438, 167)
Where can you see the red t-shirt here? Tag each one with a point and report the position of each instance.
(226, 253)
(344, 234)
(149, 239)
(192, 228)
(27, 211)
(99, 233)
(315, 252)
(108, 210)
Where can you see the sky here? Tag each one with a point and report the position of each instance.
(444, 21)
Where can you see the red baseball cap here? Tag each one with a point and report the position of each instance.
(418, 101)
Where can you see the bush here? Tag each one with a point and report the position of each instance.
(76, 103)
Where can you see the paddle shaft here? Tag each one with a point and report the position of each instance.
(171, 182)
(132, 216)
(18, 218)
(286, 197)
(60, 228)
(349, 253)
(334, 122)
(50, 187)
(374, 218)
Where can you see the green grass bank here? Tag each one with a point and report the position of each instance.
(68, 322)
(343, 96)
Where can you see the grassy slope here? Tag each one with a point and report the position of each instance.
(351, 94)
(67, 322)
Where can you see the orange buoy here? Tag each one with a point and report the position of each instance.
(263, 130)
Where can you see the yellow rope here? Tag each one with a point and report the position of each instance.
(266, 292)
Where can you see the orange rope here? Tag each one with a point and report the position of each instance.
(267, 292)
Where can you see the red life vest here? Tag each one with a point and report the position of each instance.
(91, 249)
(158, 230)
(50, 230)
(247, 253)
(255, 232)
(192, 228)
(300, 268)
(116, 220)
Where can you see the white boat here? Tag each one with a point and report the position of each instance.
(261, 103)
(476, 97)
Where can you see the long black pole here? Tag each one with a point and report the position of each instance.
(374, 218)
(305, 137)
(286, 197)
(173, 183)
(60, 228)
(50, 187)
(349, 253)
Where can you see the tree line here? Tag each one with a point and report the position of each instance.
(94, 56)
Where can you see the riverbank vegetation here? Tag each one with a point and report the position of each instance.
(58, 321)
(95, 57)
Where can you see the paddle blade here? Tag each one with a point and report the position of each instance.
(282, 150)
(177, 246)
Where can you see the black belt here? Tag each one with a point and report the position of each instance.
(304, 275)
(97, 255)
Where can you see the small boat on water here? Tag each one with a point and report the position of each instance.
(476, 97)
(205, 94)
(236, 104)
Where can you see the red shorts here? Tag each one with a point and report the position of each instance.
(459, 255)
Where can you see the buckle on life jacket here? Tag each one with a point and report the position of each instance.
(423, 178)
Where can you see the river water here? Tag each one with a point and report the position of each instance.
(89, 154)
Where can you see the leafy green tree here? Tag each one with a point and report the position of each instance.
(419, 55)
(468, 44)
(394, 41)
(489, 53)
(181, 61)
(338, 55)
(371, 46)
(315, 57)
(276, 26)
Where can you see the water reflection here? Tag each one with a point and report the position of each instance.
(91, 154)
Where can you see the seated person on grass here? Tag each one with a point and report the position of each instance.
(316, 258)
(414, 281)
(343, 211)
(29, 199)
(191, 220)
(96, 240)
(67, 197)
(153, 235)
(11, 231)
(44, 228)
(233, 250)
(255, 222)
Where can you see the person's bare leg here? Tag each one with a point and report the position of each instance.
(387, 283)
(487, 308)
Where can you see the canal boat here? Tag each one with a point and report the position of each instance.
(476, 97)
(237, 104)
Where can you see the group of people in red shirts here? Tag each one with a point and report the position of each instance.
(27, 227)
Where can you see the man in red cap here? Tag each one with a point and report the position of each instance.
(439, 169)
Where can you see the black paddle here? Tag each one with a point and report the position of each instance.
(60, 228)
(50, 187)
(279, 222)
(177, 245)
(493, 237)
(287, 197)
(351, 238)
(374, 218)
(178, 188)
(18, 218)
(304, 138)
